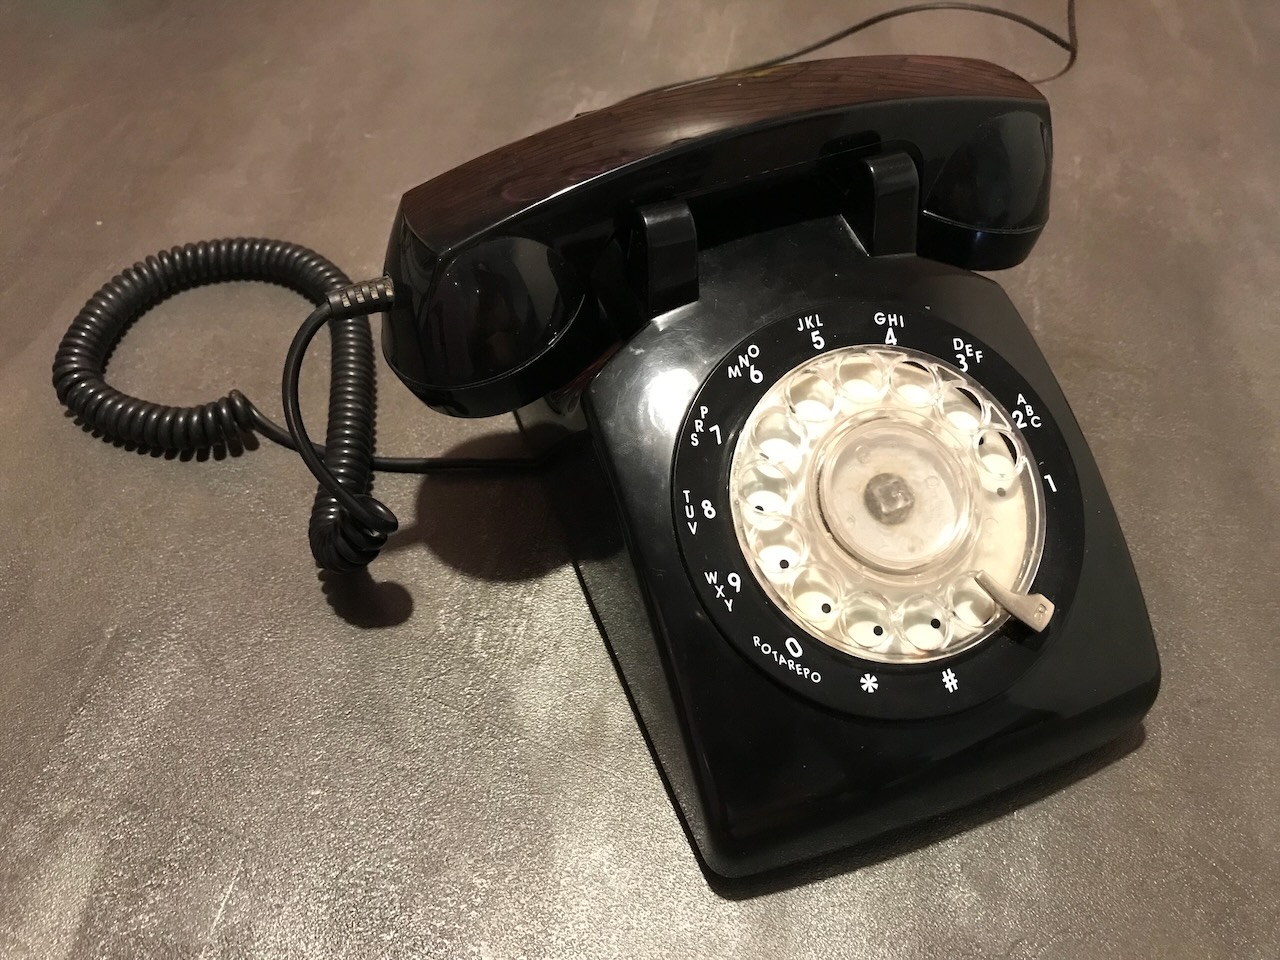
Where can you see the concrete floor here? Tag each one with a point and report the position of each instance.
(208, 752)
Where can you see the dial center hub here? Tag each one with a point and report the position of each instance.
(888, 498)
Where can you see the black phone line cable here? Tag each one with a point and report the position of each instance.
(1070, 43)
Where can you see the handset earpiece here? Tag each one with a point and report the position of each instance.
(505, 320)
(990, 201)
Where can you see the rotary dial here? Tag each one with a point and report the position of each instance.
(874, 491)
(865, 497)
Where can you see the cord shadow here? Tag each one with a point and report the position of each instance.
(364, 602)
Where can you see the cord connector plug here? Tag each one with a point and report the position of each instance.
(361, 299)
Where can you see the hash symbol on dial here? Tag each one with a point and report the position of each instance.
(869, 682)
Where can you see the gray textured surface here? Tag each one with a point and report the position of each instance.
(202, 757)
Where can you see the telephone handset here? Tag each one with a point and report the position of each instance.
(500, 263)
(842, 533)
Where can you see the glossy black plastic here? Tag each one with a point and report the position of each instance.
(998, 178)
(976, 134)
(884, 214)
(991, 198)
(763, 776)
(507, 317)
(663, 256)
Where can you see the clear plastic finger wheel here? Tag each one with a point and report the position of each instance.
(869, 487)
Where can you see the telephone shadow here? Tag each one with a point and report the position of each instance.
(500, 526)
(494, 523)
(489, 522)
(940, 828)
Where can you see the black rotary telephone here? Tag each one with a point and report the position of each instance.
(832, 512)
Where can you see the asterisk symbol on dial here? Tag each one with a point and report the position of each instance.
(869, 682)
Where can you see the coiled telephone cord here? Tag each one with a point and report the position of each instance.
(348, 526)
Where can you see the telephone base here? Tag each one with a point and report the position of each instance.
(765, 776)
